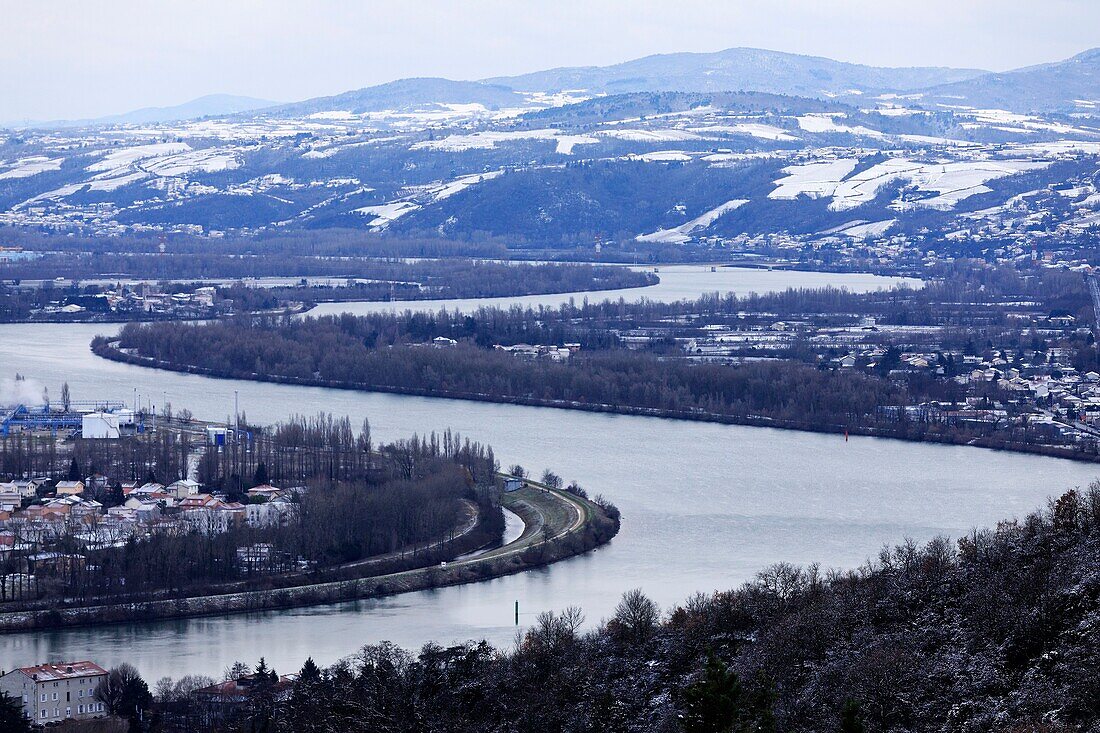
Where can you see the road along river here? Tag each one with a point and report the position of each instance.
(705, 506)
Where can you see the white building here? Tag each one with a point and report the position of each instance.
(183, 488)
(100, 425)
(51, 693)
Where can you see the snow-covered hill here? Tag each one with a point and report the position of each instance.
(469, 159)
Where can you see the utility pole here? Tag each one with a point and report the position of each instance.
(517, 612)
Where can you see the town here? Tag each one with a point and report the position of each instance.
(70, 301)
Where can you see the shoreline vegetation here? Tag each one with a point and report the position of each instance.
(986, 356)
(558, 524)
(107, 348)
(111, 301)
(994, 632)
(301, 512)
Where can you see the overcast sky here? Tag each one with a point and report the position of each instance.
(87, 58)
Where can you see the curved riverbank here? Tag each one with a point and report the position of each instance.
(575, 525)
(106, 348)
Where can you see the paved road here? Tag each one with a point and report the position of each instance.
(535, 500)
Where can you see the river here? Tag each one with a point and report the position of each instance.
(704, 507)
(678, 282)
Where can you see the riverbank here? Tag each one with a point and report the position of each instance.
(107, 348)
(574, 526)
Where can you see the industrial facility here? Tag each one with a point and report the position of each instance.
(87, 419)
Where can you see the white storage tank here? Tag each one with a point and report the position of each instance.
(100, 425)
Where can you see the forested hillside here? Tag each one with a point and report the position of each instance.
(997, 632)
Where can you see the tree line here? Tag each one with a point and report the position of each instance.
(390, 351)
(351, 500)
(992, 632)
(365, 279)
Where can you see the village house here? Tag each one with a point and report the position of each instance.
(274, 513)
(51, 693)
(267, 492)
(97, 483)
(183, 488)
(218, 702)
(10, 498)
(29, 487)
(69, 488)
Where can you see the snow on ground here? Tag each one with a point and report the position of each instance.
(333, 115)
(329, 149)
(952, 182)
(891, 110)
(661, 156)
(725, 159)
(812, 179)
(122, 157)
(651, 136)
(556, 99)
(825, 122)
(1085, 221)
(111, 184)
(486, 140)
(1058, 147)
(57, 193)
(207, 160)
(27, 167)
(446, 190)
(682, 233)
(384, 214)
(754, 129)
(930, 140)
(1014, 122)
(869, 230)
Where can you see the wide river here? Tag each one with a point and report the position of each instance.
(704, 506)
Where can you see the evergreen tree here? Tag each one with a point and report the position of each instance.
(114, 496)
(74, 470)
(713, 704)
(851, 717)
(306, 708)
(12, 719)
(260, 477)
(261, 699)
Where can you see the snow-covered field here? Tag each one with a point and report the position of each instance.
(382, 215)
(682, 233)
(826, 123)
(485, 140)
(950, 182)
(27, 167)
(870, 230)
(815, 180)
(115, 159)
(651, 136)
(752, 129)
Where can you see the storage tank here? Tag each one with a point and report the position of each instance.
(100, 425)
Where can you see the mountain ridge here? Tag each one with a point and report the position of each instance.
(1051, 87)
(735, 69)
(208, 105)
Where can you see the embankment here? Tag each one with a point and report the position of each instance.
(574, 526)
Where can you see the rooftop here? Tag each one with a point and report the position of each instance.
(63, 671)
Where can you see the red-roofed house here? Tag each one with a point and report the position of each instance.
(51, 693)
